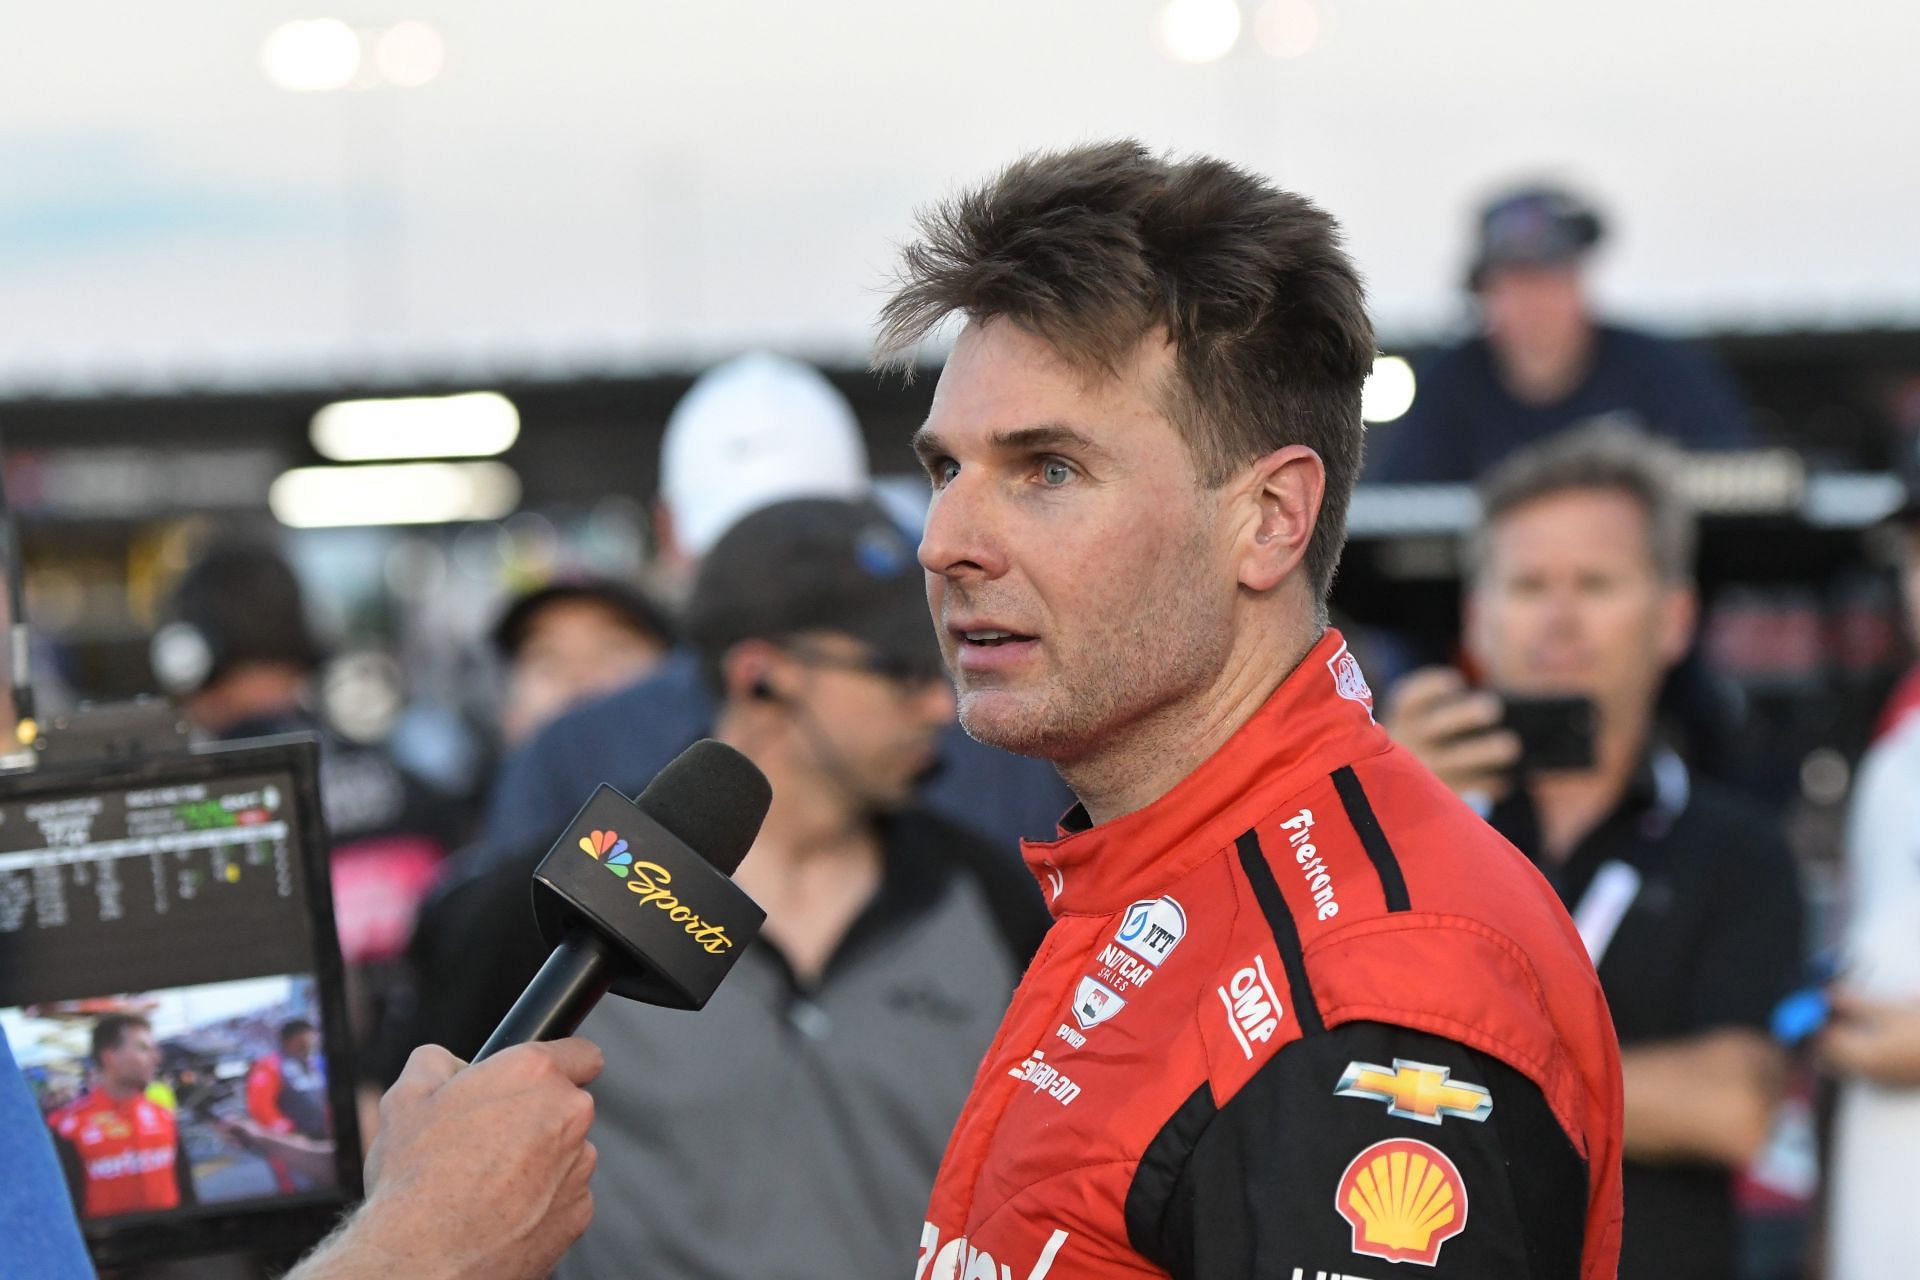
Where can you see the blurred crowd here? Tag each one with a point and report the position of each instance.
(1770, 1038)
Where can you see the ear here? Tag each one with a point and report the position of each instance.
(747, 665)
(1679, 614)
(1280, 498)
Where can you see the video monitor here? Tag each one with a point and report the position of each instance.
(170, 983)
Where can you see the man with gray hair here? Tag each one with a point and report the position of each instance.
(1580, 584)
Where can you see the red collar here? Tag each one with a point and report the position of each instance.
(1321, 717)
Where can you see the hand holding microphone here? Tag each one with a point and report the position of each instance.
(483, 1170)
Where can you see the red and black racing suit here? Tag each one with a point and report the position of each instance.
(121, 1156)
(1305, 1016)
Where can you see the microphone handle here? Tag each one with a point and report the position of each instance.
(560, 996)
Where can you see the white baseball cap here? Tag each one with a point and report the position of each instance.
(756, 430)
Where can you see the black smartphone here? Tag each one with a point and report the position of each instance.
(1555, 732)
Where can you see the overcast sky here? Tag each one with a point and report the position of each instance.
(623, 183)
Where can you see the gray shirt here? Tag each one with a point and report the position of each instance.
(786, 1133)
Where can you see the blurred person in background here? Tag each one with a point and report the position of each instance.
(237, 651)
(570, 642)
(287, 1090)
(794, 1127)
(1580, 582)
(1543, 361)
(287, 1096)
(1905, 526)
(1872, 1040)
(755, 430)
(120, 1150)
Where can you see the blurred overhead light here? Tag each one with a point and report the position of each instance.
(405, 493)
(477, 424)
(1286, 28)
(311, 55)
(409, 54)
(1388, 392)
(1198, 30)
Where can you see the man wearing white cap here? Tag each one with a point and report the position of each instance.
(753, 431)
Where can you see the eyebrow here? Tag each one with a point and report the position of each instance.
(1046, 435)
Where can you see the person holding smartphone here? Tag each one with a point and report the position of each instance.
(1580, 587)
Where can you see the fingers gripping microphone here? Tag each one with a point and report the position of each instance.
(636, 897)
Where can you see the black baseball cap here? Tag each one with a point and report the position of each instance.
(640, 614)
(238, 603)
(1536, 226)
(815, 564)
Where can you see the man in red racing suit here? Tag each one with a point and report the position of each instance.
(120, 1150)
(1301, 1013)
(1292, 1021)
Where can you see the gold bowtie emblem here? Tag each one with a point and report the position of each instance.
(1416, 1091)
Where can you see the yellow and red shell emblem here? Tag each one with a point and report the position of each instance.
(1404, 1199)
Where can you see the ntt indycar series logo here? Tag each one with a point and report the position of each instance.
(1149, 931)
(650, 881)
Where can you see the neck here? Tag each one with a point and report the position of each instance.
(1150, 757)
(120, 1092)
(1568, 806)
(817, 861)
(811, 818)
(1547, 376)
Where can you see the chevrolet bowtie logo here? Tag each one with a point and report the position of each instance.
(1416, 1091)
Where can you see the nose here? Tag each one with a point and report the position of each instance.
(959, 540)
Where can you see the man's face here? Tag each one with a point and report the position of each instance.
(1076, 575)
(1569, 602)
(1534, 310)
(131, 1064)
(574, 650)
(302, 1045)
(872, 734)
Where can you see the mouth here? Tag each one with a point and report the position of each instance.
(984, 648)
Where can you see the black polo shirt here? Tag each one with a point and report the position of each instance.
(1689, 900)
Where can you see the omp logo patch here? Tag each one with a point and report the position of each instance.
(1253, 1009)
(1404, 1199)
(1416, 1091)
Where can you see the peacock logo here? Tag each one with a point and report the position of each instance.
(1404, 1199)
(609, 850)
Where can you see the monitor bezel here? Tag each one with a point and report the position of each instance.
(282, 1223)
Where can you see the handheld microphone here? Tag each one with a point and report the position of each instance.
(635, 897)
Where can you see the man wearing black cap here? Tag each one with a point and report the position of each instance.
(1544, 362)
(794, 1128)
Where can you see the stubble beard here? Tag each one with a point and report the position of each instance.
(1166, 645)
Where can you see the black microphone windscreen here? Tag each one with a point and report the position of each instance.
(713, 798)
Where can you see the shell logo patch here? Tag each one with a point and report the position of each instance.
(1404, 1199)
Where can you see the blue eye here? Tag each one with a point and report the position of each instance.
(1055, 474)
(944, 471)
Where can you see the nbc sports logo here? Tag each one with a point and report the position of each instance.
(607, 848)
